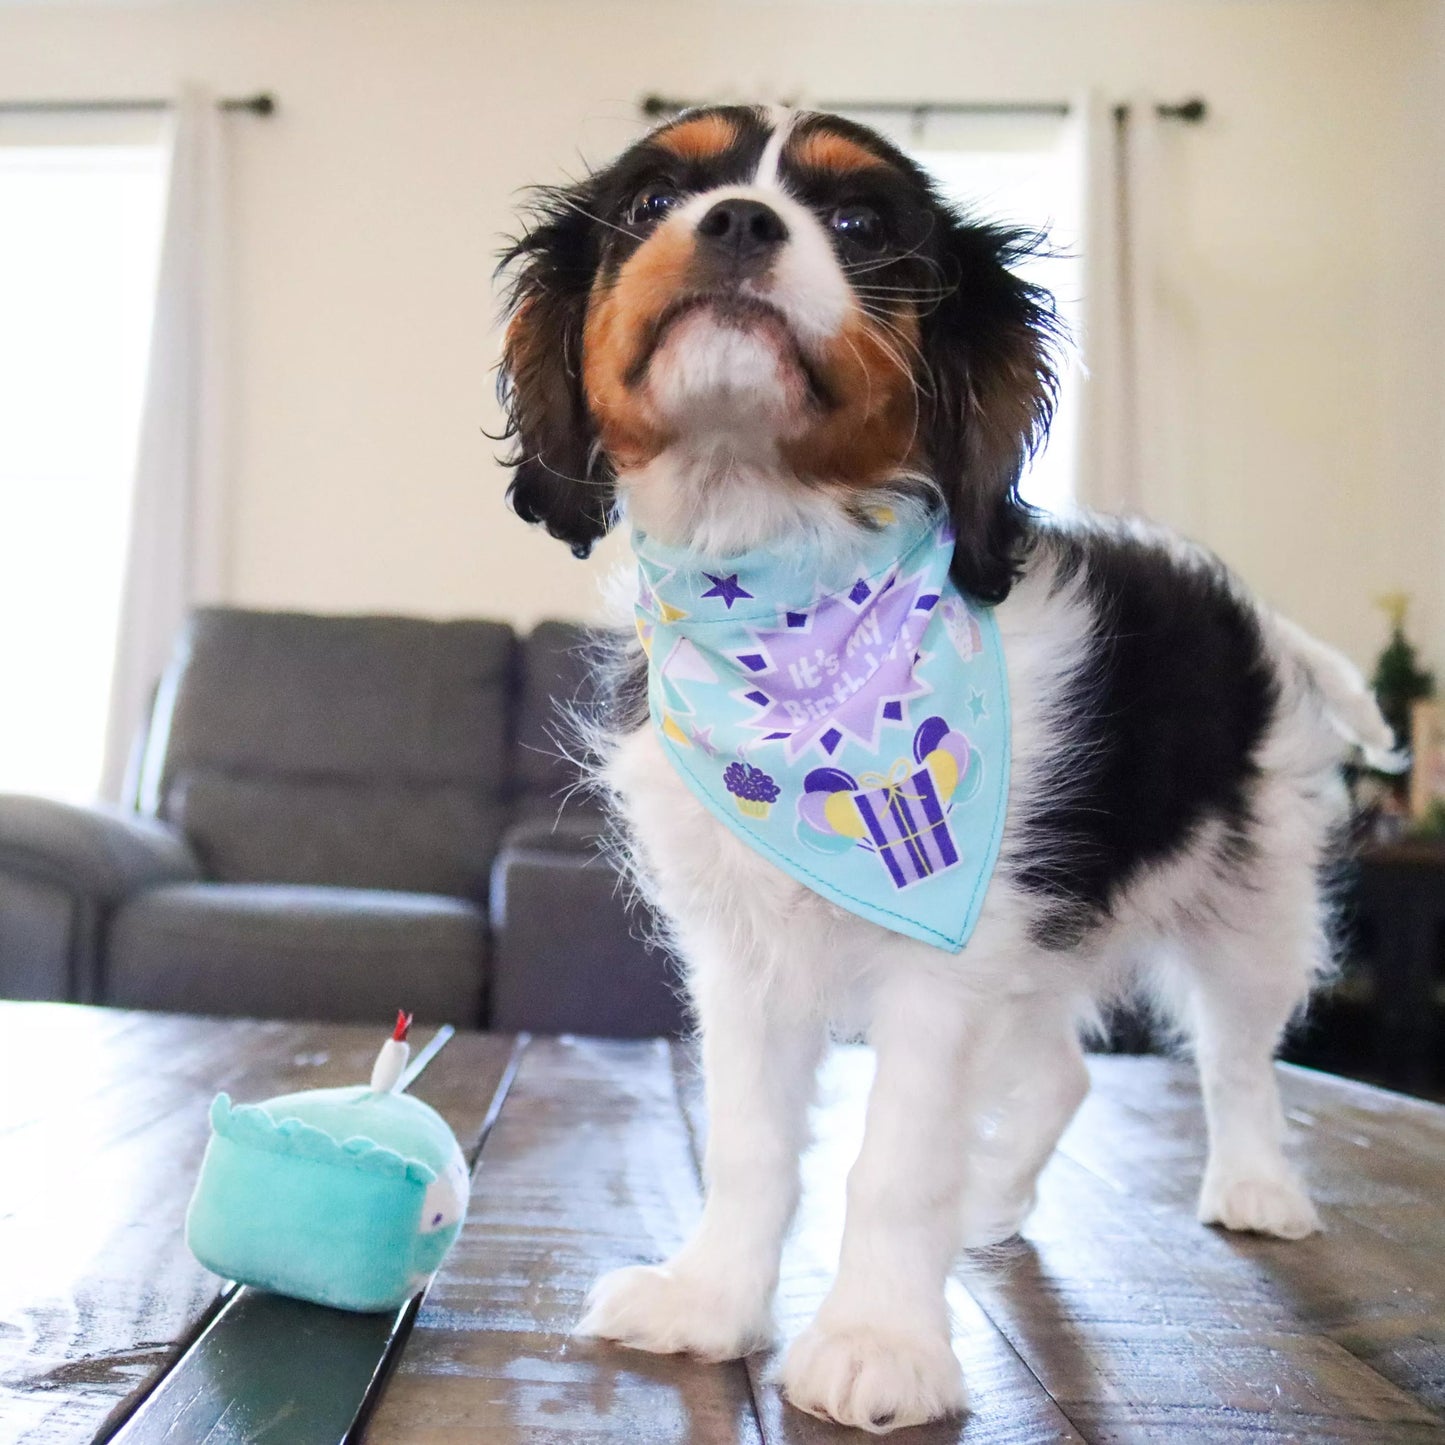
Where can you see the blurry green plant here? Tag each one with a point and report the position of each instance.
(1431, 827)
(1399, 681)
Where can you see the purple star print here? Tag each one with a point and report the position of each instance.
(702, 738)
(845, 675)
(727, 588)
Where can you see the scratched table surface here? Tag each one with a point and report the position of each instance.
(1116, 1318)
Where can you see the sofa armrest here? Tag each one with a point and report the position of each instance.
(102, 854)
(63, 871)
(568, 954)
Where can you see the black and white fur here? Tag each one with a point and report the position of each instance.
(1174, 796)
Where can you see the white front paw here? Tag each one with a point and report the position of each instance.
(670, 1311)
(1263, 1203)
(873, 1378)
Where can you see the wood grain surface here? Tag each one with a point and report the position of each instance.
(1143, 1325)
(103, 1120)
(589, 1167)
(1118, 1318)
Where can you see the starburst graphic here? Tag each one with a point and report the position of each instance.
(841, 669)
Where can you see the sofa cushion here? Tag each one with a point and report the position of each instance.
(576, 831)
(417, 837)
(39, 922)
(560, 664)
(568, 955)
(309, 749)
(269, 951)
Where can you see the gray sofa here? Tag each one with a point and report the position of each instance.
(336, 817)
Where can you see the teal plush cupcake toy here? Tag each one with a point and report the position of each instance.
(348, 1197)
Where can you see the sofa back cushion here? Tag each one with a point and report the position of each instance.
(559, 674)
(369, 752)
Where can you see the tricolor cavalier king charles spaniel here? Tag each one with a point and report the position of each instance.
(758, 329)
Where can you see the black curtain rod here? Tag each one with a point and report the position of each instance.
(263, 103)
(1191, 110)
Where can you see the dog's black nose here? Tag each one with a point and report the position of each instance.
(742, 229)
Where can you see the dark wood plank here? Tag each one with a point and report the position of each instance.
(268, 1371)
(1010, 1407)
(103, 1119)
(587, 1168)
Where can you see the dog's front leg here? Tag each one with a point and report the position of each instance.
(713, 1298)
(878, 1354)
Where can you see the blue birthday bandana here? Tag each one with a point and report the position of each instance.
(852, 728)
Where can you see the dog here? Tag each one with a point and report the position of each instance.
(765, 329)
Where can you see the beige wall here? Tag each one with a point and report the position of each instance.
(1306, 266)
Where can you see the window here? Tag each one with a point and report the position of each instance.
(1025, 170)
(78, 253)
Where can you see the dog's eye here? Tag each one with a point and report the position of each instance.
(651, 204)
(861, 225)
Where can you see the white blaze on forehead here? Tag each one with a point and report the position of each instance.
(781, 119)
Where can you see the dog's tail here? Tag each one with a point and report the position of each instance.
(1346, 702)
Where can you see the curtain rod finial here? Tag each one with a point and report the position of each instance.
(262, 103)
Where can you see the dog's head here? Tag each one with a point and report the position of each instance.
(753, 314)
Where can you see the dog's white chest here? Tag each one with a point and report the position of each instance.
(687, 850)
(701, 874)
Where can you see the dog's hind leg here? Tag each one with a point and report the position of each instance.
(1037, 1085)
(1235, 988)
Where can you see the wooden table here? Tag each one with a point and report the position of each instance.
(1119, 1319)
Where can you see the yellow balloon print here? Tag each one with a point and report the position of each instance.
(843, 815)
(944, 771)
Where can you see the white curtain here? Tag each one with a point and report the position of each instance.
(175, 557)
(1122, 447)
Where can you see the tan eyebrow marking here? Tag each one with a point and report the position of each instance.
(699, 138)
(826, 150)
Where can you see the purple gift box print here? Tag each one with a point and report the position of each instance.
(901, 815)
(905, 820)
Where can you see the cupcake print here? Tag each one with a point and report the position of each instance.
(752, 789)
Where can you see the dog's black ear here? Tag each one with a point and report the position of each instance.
(559, 475)
(988, 347)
